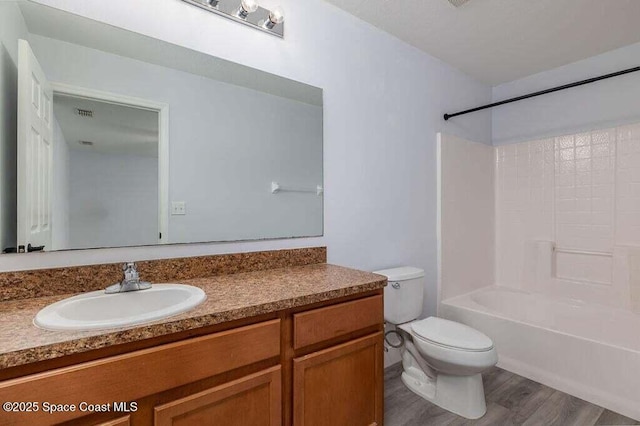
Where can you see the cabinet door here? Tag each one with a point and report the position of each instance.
(252, 400)
(122, 421)
(342, 385)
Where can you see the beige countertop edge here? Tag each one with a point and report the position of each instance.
(176, 324)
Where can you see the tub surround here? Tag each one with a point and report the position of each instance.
(230, 297)
(567, 215)
(567, 232)
(466, 215)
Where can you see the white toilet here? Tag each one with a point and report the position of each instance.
(442, 360)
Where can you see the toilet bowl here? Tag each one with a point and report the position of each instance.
(442, 360)
(455, 356)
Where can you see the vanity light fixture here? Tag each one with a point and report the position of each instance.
(247, 12)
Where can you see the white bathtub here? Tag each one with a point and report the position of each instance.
(587, 350)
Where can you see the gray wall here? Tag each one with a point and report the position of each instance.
(113, 199)
(597, 105)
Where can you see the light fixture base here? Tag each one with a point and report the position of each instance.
(229, 9)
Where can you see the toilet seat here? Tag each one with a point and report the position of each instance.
(465, 351)
(450, 335)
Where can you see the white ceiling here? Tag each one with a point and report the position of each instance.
(497, 41)
(113, 129)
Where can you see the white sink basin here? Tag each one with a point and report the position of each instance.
(97, 310)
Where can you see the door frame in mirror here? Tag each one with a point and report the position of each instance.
(163, 140)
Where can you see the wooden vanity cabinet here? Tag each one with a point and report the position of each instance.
(319, 365)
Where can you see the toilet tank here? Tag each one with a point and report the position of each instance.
(403, 295)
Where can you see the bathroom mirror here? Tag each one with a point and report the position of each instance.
(109, 138)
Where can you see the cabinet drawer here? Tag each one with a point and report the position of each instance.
(326, 323)
(133, 375)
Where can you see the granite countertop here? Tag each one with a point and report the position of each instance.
(229, 297)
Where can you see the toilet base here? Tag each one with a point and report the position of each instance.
(461, 395)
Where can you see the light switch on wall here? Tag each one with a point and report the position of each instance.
(178, 208)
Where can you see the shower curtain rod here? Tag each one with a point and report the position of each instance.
(543, 92)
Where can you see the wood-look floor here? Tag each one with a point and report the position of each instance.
(511, 400)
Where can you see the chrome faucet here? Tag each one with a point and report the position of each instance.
(131, 281)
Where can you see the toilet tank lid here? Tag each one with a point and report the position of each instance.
(402, 273)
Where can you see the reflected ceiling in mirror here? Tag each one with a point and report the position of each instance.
(112, 139)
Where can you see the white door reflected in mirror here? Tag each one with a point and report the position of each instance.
(35, 151)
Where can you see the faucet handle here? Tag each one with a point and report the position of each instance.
(130, 272)
(128, 265)
(131, 281)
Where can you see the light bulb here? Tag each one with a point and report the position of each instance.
(277, 15)
(249, 6)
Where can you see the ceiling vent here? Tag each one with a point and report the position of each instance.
(458, 3)
(85, 143)
(87, 113)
